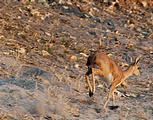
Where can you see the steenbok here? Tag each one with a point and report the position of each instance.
(103, 65)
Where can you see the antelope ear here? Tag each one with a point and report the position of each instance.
(131, 60)
(137, 59)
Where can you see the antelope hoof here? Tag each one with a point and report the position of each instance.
(113, 107)
(90, 93)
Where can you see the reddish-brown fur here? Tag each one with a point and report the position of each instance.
(108, 69)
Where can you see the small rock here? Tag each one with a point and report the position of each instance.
(93, 11)
(32, 1)
(73, 58)
(61, 1)
(132, 26)
(47, 33)
(73, 37)
(45, 53)
(92, 33)
(100, 86)
(66, 7)
(50, 45)
(119, 93)
(76, 66)
(108, 31)
(1, 36)
(6, 53)
(41, 1)
(109, 24)
(151, 36)
(144, 3)
(83, 54)
(98, 110)
(117, 32)
(22, 51)
(130, 45)
(125, 25)
(131, 95)
(139, 29)
(105, 1)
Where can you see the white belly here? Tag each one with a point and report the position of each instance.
(109, 78)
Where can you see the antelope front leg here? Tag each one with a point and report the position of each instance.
(113, 99)
(98, 72)
(89, 85)
(111, 92)
(93, 80)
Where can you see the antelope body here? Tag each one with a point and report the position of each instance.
(103, 65)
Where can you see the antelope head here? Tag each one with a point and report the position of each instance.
(136, 66)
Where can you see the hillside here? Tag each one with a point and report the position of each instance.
(44, 47)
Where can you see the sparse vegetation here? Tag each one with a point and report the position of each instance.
(44, 46)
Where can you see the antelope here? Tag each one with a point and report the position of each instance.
(103, 65)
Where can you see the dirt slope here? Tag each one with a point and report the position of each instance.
(44, 46)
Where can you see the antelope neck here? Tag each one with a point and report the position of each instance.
(128, 72)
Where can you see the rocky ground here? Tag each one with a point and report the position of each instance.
(44, 47)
